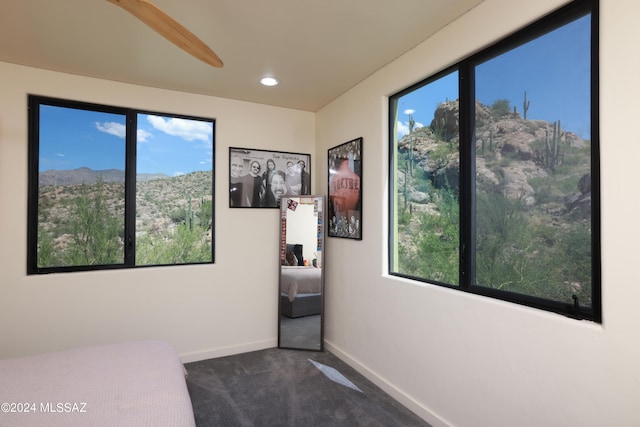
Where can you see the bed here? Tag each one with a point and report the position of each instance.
(127, 384)
(300, 291)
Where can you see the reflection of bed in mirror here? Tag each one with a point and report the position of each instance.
(300, 291)
(301, 278)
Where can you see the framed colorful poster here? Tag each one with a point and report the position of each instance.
(345, 190)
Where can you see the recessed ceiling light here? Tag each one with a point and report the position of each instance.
(269, 81)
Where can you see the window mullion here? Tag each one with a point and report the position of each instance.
(467, 174)
(130, 191)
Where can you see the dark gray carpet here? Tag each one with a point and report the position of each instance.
(278, 387)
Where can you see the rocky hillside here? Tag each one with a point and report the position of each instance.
(532, 204)
(538, 162)
(161, 202)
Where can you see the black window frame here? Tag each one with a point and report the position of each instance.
(34, 103)
(466, 79)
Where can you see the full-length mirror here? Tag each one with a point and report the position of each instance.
(300, 324)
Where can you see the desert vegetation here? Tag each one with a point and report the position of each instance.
(532, 203)
(82, 223)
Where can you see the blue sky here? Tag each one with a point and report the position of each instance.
(553, 69)
(70, 139)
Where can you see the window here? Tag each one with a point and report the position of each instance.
(494, 170)
(114, 188)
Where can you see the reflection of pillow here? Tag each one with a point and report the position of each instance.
(291, 259)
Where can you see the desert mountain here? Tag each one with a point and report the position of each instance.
(85, 175)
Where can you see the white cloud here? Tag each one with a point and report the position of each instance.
(178, 173)
(143, 135)
(112, 128)
(403, 127)
(188, 130)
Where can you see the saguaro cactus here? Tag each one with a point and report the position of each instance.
(189, 216)
(405, 192)
(525, 105)
(490, 140)
(412, 124)
(553, 147)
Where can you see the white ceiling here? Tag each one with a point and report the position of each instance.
(318, 49)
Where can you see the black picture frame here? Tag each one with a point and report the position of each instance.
(290, 175)
(345, 190)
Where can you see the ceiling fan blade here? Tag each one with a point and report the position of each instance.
(170, 29)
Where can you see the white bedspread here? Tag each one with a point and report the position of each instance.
(300, 280)
(134, 384)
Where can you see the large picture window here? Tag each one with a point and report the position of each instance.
(494, 170)
(112, 187)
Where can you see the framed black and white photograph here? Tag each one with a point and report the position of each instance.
(345, 190)
(259, 178)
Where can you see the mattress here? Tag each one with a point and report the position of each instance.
(300, 280)
(128, 384)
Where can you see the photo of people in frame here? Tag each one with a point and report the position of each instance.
(260, 178)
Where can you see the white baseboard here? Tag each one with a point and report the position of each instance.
(406, 400)
(227, 351)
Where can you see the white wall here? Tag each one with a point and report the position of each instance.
(464, 360)
(204, 311)
(455, 359)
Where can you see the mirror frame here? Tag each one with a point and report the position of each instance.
(320, 201)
